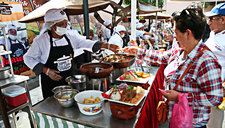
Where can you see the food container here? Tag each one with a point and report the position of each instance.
(15, 95)
(60, 88)
(123, 111)
(77, 82)
(70, 93)
(89, 70)
(89, 109)
(4, 72)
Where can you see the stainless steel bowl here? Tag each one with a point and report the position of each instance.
(60, 88)
(66, 93)
(77, 82)
(4, 72)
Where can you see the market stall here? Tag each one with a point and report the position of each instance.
(45, 114)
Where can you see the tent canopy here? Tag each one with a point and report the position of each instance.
(142, 8)
(72, 7)
(153, 16)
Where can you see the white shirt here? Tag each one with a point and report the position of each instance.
(140, 33)
(117, 40)
(2, 41)
(40, 48)
(106, 34)
(216, 44)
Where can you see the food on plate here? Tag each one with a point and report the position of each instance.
(91, 100)
(115, 58)
(139, 74)
(129, 76)
(139, 89)
(145, 75)
(129, 94)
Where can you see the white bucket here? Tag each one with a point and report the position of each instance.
(22, 120)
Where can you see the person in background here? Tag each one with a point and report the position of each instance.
(117, 38)
(169, 36)
(216, 44)
(107, 31)
(93, 36)
(140, 31)
(17, 47)
(153, 29)
(202, 83)
(51, 53)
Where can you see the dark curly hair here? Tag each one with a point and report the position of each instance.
(191, 18)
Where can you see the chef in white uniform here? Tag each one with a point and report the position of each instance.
(117, 38)
(107, 31)
(52, 52)
(216, 44)
(140, 31)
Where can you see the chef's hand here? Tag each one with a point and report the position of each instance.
(53, 74)
(112, 47)
(131, 50)
(171, 95)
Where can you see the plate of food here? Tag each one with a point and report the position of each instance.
(135, 77)
(125, 94)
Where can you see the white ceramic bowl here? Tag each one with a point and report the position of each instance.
(89, 109)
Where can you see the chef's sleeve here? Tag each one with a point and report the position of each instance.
(32, 58)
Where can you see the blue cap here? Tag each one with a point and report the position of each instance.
(219, 9)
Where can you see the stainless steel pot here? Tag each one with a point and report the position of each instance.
(4, 72)
(77, 82)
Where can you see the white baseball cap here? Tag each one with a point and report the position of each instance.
(54, 14)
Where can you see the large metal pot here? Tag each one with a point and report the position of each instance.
(89, 70)
(4, 72)
(77, 82)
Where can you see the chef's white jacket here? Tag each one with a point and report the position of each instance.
(139, 33)
(106, 34)
(40, 48)
(117, 40)
(2, 41)
(216, 44)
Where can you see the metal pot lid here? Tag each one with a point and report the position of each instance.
(63, 58)
(4, 68)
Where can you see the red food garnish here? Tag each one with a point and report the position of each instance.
(105, 95)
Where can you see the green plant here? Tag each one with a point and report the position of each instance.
(141, 18)
(208, 3)
(153, 2)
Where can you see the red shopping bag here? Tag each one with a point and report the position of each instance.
(182, 114)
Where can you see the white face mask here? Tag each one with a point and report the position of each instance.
(60, 30)
(122, 35)
(13, 37)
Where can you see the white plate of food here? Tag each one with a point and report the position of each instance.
(133, 78)
(134, 101)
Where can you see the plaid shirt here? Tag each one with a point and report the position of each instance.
(202, 82)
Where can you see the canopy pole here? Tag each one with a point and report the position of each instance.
(156, 30)
(133, 19)
(86, 26)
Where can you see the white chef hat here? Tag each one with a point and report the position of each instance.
(106, 23)
(52, 17)
(139, 25)
(120, 28)
(11, 26)
(54, 14)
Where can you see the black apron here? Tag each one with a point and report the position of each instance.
(55, 53)
(18, 50)
(16, 47)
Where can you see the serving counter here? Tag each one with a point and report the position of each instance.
(52, 109)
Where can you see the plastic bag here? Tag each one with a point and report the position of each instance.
(182, 114)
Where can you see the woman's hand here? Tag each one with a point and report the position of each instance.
(171, 95)
(131, 50)
(53, 74)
